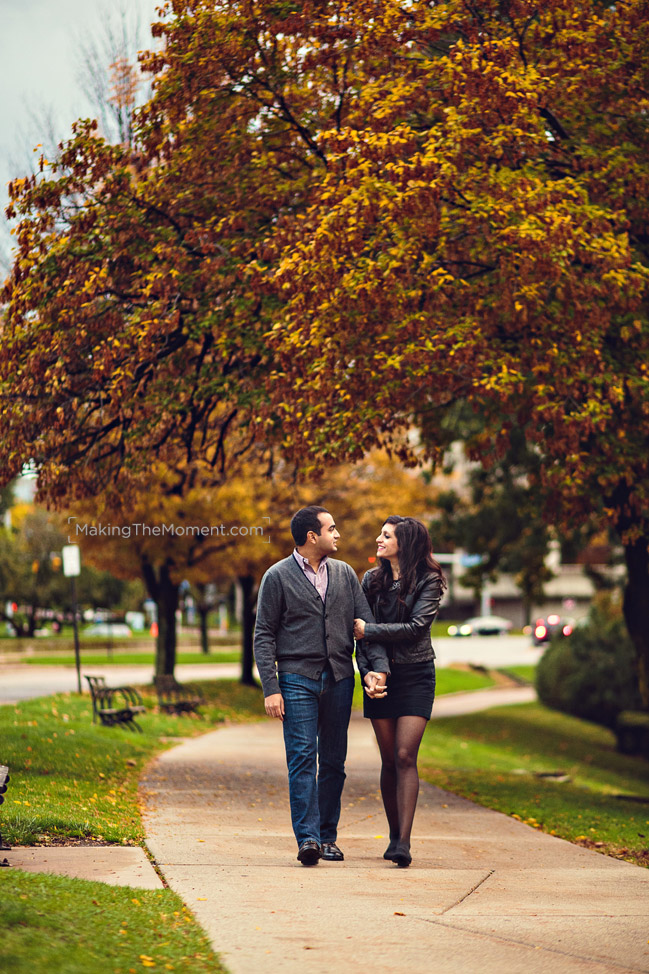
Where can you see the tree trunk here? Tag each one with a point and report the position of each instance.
(247, 584)
(203, 608)
(31, 619)
(636, 600)
(203, 612)
(166, 595)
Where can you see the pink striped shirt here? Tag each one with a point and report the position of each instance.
(319, 579)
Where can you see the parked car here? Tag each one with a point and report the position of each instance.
(553, 625)
(482, 626)
(110, 629)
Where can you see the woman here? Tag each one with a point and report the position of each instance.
(404, 593)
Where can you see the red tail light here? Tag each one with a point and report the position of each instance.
(540, 632)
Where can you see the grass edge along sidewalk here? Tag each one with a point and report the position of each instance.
(52, 923)
(554, 772)
(75, 781)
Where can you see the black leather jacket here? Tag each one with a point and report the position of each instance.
(407, 641)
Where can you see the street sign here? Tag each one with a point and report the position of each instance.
(72, 568)
(71, 560)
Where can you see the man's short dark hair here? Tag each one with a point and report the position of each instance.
(305, 520)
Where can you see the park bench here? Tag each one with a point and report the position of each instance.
(115, 705)
(176, 698)
(4, 781)
(632, 732)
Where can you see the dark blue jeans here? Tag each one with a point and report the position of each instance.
(315, 725)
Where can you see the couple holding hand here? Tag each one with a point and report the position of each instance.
(310, 607)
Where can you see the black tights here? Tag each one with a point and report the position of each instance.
(399, 739)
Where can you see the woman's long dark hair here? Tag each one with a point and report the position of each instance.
(415, 554)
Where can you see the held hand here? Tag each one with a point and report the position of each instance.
(274, 704)
(359, 628)
(375, 685)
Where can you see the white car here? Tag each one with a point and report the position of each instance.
(482, 626)
(108, 629)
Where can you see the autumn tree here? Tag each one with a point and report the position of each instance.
(498, 514)
(136, 324)
(30, 568)
(336, 222)
(479, 235)
(166, 539)
(107, 69)
(31, 571)
(137, 317)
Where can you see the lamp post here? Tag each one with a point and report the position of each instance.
(72, 568)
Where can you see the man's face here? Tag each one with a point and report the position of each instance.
(326, 541)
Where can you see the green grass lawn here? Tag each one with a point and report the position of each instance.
(495, 759)
(72, 926)
(72, 778)
(102, 657)
(527, 673)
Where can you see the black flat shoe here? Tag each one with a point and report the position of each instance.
(331, 852)
(402, 855)
(309, 853)
(391, 849)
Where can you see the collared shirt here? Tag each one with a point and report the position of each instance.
(319, 579)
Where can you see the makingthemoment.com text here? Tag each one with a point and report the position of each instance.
(139, 529)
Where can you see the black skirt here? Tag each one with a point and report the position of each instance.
(411, 692)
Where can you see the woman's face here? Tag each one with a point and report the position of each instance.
(386, 543)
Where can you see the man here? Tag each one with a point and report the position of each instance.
(303, 647)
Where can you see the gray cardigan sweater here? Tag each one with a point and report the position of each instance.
(296, 632)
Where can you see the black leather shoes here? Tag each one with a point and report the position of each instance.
(331, 852)
(309, 853)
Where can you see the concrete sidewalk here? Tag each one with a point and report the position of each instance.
(484, 893)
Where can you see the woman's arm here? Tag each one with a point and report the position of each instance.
(368, 658)
(421, 618)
